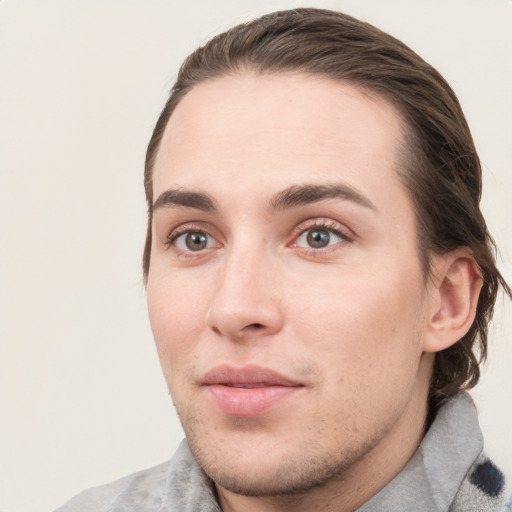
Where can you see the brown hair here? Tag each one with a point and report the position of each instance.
(442, 170)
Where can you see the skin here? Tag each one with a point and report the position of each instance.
(354, 322)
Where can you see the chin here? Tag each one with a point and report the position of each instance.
(283, 472)
(286, 477)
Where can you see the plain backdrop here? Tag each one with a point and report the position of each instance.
(82, 398)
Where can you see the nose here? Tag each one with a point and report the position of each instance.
(246, 302)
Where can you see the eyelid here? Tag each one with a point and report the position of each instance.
(323, 223)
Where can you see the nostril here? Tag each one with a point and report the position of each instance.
(256, 326)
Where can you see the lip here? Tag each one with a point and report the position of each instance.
(248, 391)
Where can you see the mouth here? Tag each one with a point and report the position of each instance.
(247, 391)
(249, 386)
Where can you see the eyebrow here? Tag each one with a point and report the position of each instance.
(291, 197)
(300, 195)
(187, 198)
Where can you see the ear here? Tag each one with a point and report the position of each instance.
(455, 285)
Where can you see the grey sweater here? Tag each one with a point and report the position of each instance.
(448, 473)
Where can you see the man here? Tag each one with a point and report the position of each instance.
(320, 279)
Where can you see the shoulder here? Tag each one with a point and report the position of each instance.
(143, 490)
(177, 485)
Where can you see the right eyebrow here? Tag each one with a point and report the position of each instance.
(300, 195)
(187, 198)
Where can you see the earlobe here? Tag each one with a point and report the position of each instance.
(455, 287)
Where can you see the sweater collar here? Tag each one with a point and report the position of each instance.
(432, 477)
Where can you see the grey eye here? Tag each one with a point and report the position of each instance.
(319, 238)
(193, 241)
(196, 241)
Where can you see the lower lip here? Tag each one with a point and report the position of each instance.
(248, 401)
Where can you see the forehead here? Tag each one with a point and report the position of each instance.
(274, 129)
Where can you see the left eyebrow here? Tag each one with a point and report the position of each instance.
(300, 195)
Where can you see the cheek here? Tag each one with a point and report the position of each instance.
(365, 324)
(175, 312)
(367, 341)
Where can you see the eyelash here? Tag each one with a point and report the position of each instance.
(319, 224)
(325, 225)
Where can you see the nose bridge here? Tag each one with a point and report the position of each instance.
(245, 298)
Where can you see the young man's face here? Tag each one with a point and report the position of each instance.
(285, 290)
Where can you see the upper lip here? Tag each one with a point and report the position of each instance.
(248, 375)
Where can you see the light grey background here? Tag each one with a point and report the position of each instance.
(82, 399)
